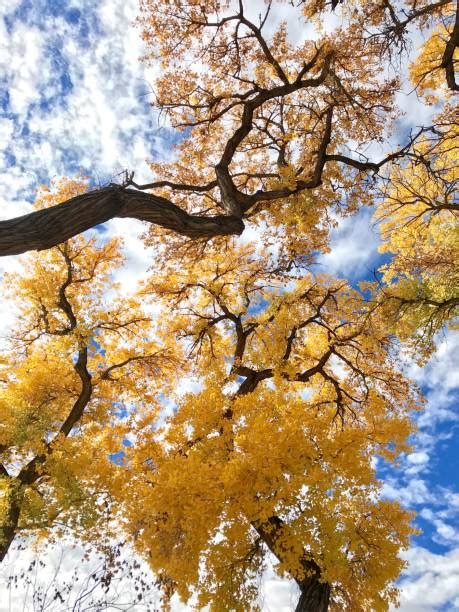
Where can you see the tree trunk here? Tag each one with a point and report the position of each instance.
(12, 492)
(315, 595)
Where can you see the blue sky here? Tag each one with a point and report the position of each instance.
(75, 99)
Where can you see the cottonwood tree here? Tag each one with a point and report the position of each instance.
(299, 379)
(273, 130)
(299, 390)
(274, 453)
(76, 356)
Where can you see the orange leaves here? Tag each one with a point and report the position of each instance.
(81, 355)
(298, 390)
(261, 438)
(298, 386)
(418, 218)
(255, 105)
(280, 456)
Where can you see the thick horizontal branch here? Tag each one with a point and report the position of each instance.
(46, 228)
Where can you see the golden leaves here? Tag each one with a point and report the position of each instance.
(260, 438)
(79, 358)
(427, 71)
(418, 225)
(298, 387)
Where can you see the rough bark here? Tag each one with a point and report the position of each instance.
(315, 593)
(448, 60)
(46, 228)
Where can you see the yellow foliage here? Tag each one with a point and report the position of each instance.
(298, 383)
(73, 362)
(427, 72)
(419, 228)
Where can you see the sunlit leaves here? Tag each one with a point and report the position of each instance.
(298, 381)
(419, 227)
(79, 355)
(297, 443)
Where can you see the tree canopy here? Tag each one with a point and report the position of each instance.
(299, 385)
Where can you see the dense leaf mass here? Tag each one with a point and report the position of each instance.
(298, 384)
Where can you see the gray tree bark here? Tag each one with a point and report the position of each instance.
(46, 228)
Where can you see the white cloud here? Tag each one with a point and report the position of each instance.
(445, 533)
(104, 124)
(22, 63)
(417, 462)
(354, 247)
(6, 132)
(101, 122)
(417, 458)
(101, 125)
(442, 371)
(277, 594)
(430, 582)
(436, 426)
(58, 565)
(415, 492)
(138, 258)
(68, 568)
(104, 120)
(7, 313)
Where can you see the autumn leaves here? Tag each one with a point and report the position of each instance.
(298, 385)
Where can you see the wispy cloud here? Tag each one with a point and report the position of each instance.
(354, 248)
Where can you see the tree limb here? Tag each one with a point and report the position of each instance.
(46, 228)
